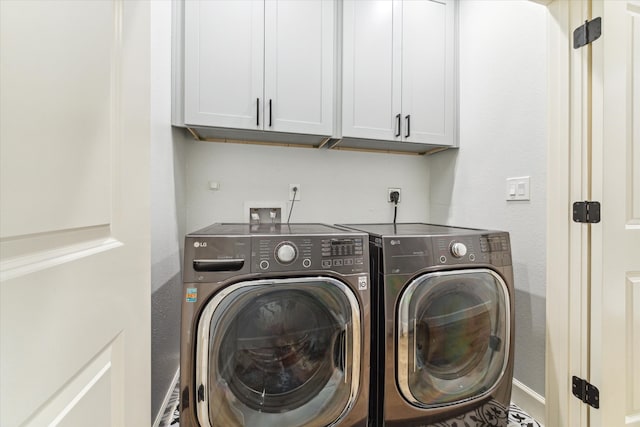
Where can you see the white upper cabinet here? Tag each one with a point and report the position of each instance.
(371, 70)
(299, 66)
(398, 71)
(260, 65)
(224, 57)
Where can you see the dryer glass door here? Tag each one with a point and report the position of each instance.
(453, 336)
(278, 353)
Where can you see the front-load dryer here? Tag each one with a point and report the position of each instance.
(442, 332)
(275, 323)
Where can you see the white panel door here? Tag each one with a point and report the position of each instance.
(223, 63)
(299, 66)
(428, 73)
(74, 229)
(615, 335)
(371, 92)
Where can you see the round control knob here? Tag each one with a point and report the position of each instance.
(458, 249)
(286, 253)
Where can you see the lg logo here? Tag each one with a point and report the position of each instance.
(199, 244)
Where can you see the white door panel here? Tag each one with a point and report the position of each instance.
(616, 240)
(86, 397)
(74, 274)
(54, 118)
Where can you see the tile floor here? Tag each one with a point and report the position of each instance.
(517, 417)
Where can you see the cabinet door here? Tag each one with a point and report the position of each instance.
(299, 66)
(371, 69)
(428, 72)
(224, 51)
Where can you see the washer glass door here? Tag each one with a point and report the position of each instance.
(278, 353)
(453, 336)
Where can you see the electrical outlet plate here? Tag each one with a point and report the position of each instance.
(391, 190)
(291, 192)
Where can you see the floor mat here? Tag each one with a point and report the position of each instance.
(171, 417)
(517, 418)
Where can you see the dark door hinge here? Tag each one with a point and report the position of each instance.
(586, 212)
(587, 33)
(587, 393)
(184, 402)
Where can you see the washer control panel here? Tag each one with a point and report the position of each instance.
(286, 253)
(345, 251)
(458, 249)
(341, 254)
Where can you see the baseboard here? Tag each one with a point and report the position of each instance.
(167, 400)
(529, 400)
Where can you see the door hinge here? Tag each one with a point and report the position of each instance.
(587, 393)
(587, 33)
(586, 212)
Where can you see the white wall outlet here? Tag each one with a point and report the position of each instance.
(391, 190)
(296, 192)
(518, 188)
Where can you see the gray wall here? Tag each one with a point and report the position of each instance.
(503, 134)
(167, 207)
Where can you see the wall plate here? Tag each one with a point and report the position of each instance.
(260, 212)
(518, 188)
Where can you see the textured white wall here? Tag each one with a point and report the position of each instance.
(165, 257)
(503, 95)
(335, 186)
(166, 204)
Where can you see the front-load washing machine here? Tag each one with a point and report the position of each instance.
(275, 323)
(442, 333)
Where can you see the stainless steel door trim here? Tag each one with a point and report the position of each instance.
(203, 342)
(345, 362)
(405, 357)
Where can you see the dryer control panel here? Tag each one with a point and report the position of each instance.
(408, 254)
(485, 248)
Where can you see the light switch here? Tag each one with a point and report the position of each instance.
(518, 188)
